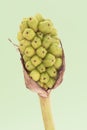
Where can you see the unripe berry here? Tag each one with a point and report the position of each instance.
(49, 60)
(36, 42)
(28, 34)
(20, 36)
(33, 22)
(25, 58)
(35, 75)
(29, 66)
(24, 24)
(39, 17)
(50, 83)
(44, 78)
(36, 60)
(56, 50)
(23, 44)
(45, 27)
(41, 68)
(40, 35)
(58, 63)
(52, 71)
(29, 51)
(41, 52)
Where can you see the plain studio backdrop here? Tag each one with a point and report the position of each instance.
(19, 107)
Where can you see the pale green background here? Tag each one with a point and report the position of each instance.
(19, 108)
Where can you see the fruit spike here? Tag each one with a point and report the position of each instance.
(43, 62)
(25, 58)
(40, 46)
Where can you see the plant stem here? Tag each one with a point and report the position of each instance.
(46, 113)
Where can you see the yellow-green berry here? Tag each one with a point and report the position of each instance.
(45, 27)
(25, 58)
(43, 85)
(52, 71)
(28, 34)
(29, 66)
(41, 52)
(29, 51)
(47, 40)
(40, 84)
(35, 75)
(39, 17)
(23, 44)
(55, 50)
(20, 36)
(49, 60)
(41, 68)
(36, 42)
(53, 31)
(33, 23)
(58, 63)
(50, 83)
(44, 78)
(36, 60)
(40, 35)
(24, 24)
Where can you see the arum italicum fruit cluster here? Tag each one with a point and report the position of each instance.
(42, 57)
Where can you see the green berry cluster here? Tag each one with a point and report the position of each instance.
(40, 49)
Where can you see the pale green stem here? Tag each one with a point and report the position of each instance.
(46, 113)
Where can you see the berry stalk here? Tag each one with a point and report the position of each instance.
(46, 113)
